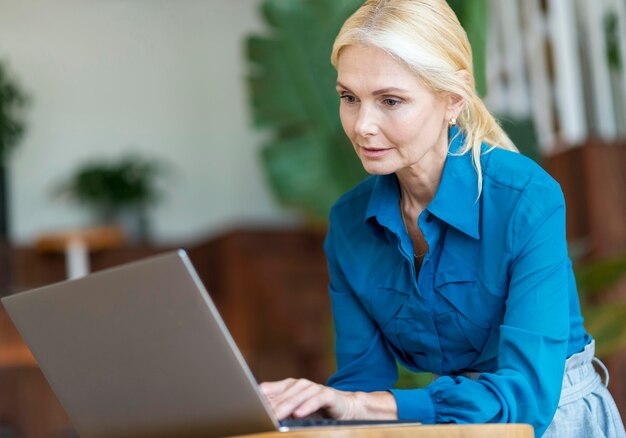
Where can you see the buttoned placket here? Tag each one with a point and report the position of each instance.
(432, 231)
(422, 283)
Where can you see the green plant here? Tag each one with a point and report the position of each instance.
(12, 103)
(110, 186)
(113, 189)
(604, 318)
(309, 162)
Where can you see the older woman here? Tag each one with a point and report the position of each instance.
(451, 258)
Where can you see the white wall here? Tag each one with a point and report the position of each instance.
(160, 76)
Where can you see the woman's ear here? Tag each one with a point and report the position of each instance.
(455, 105)
(456, 101)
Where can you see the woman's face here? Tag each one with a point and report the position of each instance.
(393, 121)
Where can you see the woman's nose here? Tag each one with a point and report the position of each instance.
(366, 124)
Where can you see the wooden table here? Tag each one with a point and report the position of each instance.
(78, 244)
(430, 431)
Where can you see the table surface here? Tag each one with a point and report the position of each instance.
(425, 431)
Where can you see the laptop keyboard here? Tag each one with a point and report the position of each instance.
(293, 423)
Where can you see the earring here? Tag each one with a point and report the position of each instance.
(452, 121)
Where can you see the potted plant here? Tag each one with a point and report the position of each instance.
(117, 192)
(12, 103)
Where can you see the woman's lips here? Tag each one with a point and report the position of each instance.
(373, 152)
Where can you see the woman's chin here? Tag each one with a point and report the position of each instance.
(377, 168)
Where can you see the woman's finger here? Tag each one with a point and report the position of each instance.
(313, 404)
(337, 404)
(277, 393)
(292, 387)
(289, 392)
(301, 393)
(276, 387)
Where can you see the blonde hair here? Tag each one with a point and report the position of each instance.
(427, 36)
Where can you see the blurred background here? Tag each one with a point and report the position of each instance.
(131, 127)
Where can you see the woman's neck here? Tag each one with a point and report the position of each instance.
(419, 183)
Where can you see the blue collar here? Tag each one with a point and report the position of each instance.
(455, 202)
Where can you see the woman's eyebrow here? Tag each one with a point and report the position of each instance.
(389, 90)
(386, 90)
(339, 84)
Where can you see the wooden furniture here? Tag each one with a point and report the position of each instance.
(78, 244)
(593, 179)
(438, 431)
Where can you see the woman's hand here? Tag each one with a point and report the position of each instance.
(300, 397)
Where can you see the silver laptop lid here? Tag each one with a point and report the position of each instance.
(140, 350)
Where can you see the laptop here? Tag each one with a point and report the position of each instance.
(140, 350)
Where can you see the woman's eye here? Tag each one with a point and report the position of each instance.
(391, 102)
(348, 98)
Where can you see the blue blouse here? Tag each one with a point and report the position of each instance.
(495, 293)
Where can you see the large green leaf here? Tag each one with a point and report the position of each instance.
(313, 181)
(309, 162)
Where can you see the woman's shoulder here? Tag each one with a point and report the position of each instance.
(513, 171)
(356, 199)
